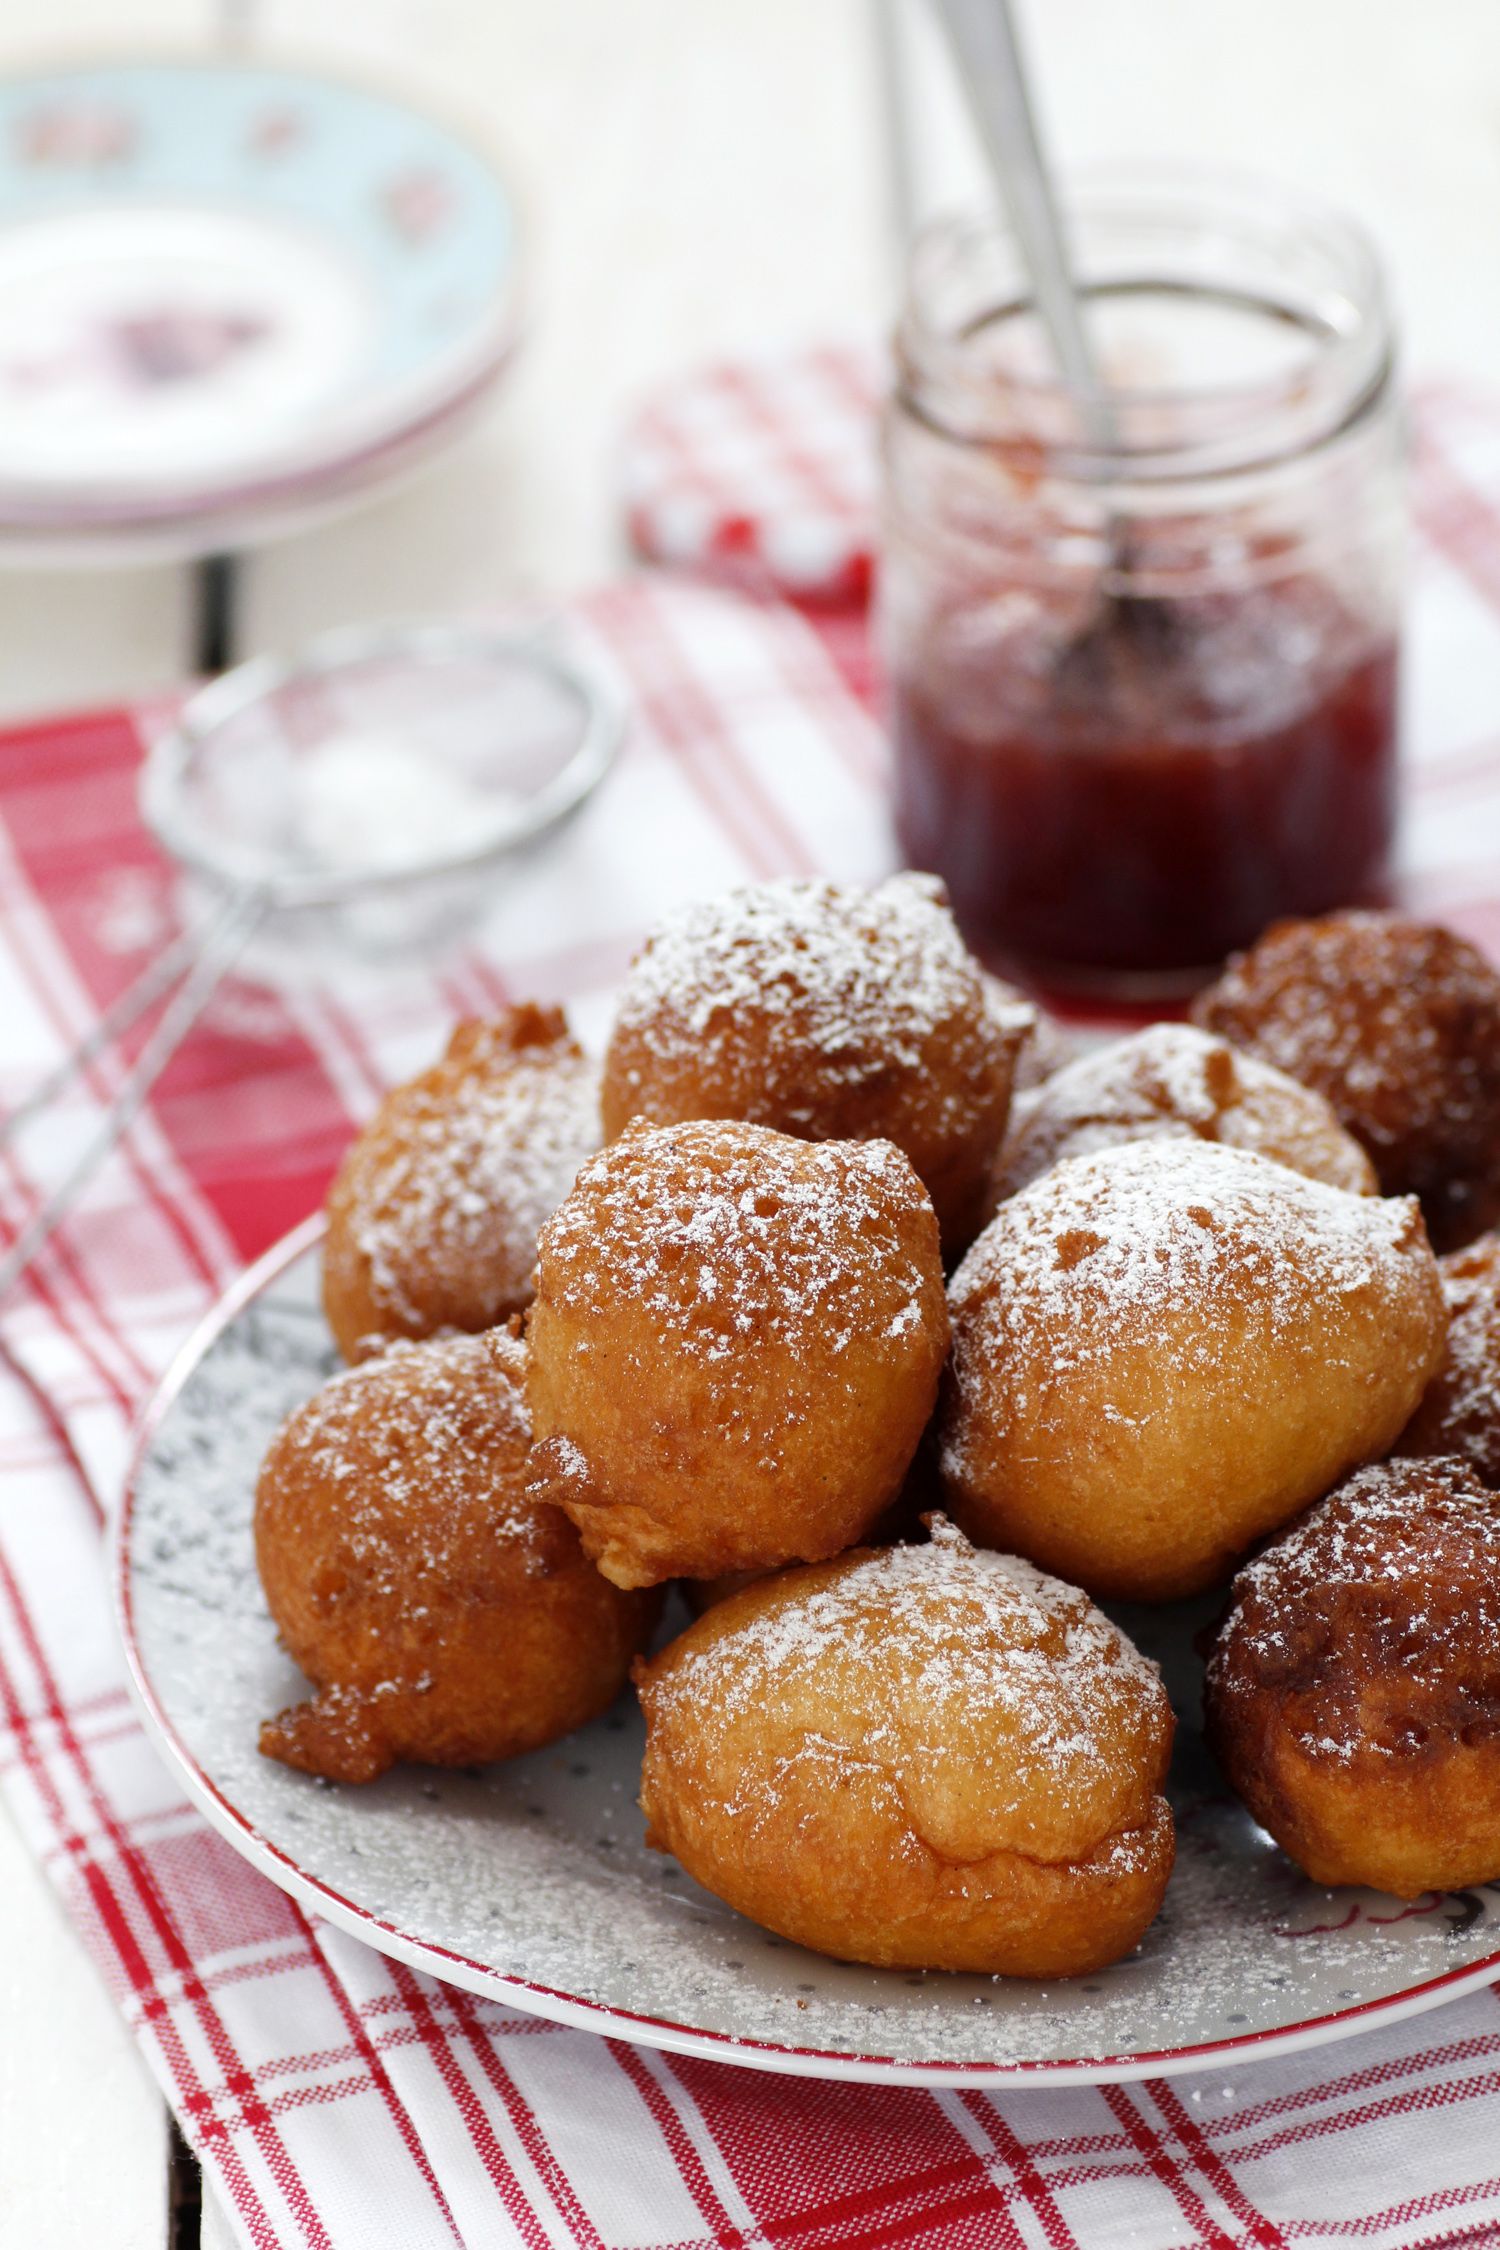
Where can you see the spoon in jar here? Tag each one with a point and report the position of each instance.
(983, 37)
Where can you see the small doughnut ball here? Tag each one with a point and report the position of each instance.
(434, 1215)
(735, 1347)
(1173, 1080)
(441, 1613)
(1461, 1410)
(924, 1757)
(829, 1014)
(1397, 1024)
(1353, 1692)
(1046, 1045)
(1163, 1350)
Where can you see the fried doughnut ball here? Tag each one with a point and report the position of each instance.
(1397, 1024)
(1163, 1350)
(1353, 1693)
(442, 1614)
(923, 1757)
(434, 1215)
(1461, 1410)
(1173, 1080)
(735, 1347)
(829, 1014)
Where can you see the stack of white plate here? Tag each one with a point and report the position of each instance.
(233, 298)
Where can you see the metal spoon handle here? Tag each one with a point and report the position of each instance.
(221, 942)
(902, 198)
(983, 36)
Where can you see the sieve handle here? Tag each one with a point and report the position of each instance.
(141, 993)
(206, 956)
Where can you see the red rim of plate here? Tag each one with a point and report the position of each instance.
(593, 2015)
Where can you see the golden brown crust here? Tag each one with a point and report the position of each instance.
(1172, 1081)
(923, 1757)
(1397, 1024)
(434, 1215)
(441, 1613)
(1353, 1693)
(1162, 1351)
(735, 1347)
(1460, 1412)
(828, 1014)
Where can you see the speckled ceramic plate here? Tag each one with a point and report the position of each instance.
(532, 1882)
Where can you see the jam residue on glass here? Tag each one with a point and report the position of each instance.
(1132, 785)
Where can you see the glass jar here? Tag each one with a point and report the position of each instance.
(1144, 678)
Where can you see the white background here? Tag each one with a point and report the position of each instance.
(698, 175)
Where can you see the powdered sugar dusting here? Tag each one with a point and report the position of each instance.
(1174, 1080)
(1169, 1242)
(1396, 1575)
(865, 981)
(1105, 1246)
(1398, 1024)
(933, 1654)
(722, 1233)
(1461, 1411)
(484, 1153)
(1368, 1006)
(434, 1428)
(885, 965)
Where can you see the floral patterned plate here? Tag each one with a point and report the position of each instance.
(226, 285)
(531, 1881)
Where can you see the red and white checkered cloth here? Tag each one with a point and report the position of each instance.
(761, 473)
(335, 2098)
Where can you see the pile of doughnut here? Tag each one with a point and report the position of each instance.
(853, 1302)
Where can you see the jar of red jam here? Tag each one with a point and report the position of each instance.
(1143, 666)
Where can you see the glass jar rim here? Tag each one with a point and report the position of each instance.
(1256, 423)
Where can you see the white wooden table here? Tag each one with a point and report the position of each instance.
(700, 175)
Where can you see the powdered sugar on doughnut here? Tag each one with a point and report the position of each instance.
(1173, 1079)
(1395, 1575)
(1461, 1410)
(1373, 1010)
(986, 1657)
(1161, 1241)
(476, 1170)
(1471, 1372)
(1374, 1530)
(864, 979)
(424, 1426)
(725, 1233)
